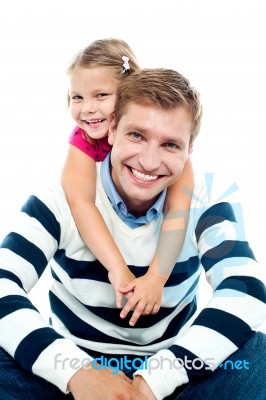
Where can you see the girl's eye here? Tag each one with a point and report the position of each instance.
(77, 97)
(101, 95)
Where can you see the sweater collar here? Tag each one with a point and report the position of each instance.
(118, 204)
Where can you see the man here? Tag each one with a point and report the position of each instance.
(156, 119)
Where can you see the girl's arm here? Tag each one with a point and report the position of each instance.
(79, 184)
(174, 226)
(148, 289)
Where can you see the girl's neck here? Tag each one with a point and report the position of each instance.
(87, 137)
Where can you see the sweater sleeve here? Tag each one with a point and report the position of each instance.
(236, 309)
(24, 254)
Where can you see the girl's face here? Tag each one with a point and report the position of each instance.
(92, 96)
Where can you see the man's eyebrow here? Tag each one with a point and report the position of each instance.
(176, 140)
(135, 128)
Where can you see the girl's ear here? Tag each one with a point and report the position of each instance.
(112, 130)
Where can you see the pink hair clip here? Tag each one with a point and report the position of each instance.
(126, 66)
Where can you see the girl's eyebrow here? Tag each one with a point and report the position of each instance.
(72, 92)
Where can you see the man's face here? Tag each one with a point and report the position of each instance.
(150, 148)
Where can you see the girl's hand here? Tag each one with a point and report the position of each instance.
(119, 277)
(146, 298)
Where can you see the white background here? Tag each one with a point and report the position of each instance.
(218, 44)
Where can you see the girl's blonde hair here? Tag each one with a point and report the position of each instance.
(106, 53)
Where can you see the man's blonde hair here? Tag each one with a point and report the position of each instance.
(164, 88)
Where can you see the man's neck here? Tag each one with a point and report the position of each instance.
(137, 208)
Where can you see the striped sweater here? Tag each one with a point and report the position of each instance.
(84, 316)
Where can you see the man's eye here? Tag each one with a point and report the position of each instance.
(135, 135)
(171, 146)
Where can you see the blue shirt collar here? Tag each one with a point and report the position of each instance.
(118, 204)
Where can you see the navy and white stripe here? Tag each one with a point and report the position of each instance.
(84, 315)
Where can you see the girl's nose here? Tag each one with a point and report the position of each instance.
(89, 106)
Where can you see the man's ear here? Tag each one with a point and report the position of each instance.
(190, 150)
(112, 130)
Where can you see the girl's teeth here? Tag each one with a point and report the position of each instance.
(142, 176)
(95, 121)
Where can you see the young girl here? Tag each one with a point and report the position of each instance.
(94, 76)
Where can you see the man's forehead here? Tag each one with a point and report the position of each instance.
(146, 107)
(150, 118)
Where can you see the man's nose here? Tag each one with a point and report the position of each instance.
(149, 158)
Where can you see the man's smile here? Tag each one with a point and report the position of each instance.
(142, 176)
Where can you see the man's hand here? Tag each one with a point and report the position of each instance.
(140, 384)
(92, 384)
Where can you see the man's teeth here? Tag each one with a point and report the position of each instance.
(142, 176)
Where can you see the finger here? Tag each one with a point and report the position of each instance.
(131, 303)
(148, 309)
(119, 298)
(128, 295)
(129, 287)
(155, 309)
(136, 314)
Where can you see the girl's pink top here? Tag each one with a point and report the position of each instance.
(97, 150)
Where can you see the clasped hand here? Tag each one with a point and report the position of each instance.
(91, 384)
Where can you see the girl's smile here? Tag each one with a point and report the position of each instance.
(92, 95)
